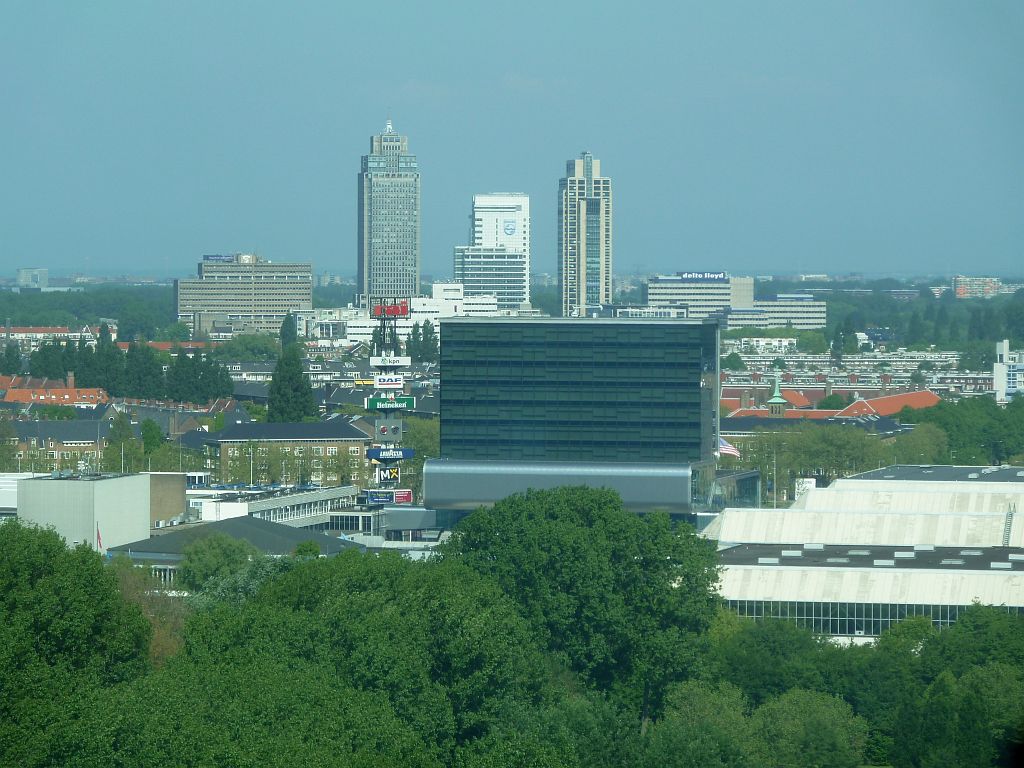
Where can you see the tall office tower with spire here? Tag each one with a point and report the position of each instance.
(389, 219)
(584, 236)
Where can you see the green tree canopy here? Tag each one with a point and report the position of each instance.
(291, 397)
(289, 332)
(214, 556)
(620, 598)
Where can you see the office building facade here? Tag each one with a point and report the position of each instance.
(602, 390)
(702, 293)
(584, 236)
(243, 293)
(494, 271)
(388, 244)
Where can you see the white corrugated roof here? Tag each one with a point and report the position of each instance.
(799, 526)
(871, 585)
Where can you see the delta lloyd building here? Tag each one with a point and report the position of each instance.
(628, 404)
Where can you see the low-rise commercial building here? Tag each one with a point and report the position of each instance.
(851, 559)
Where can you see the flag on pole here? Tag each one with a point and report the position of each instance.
(726, 448)
(99, 539)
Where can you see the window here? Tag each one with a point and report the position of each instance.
(318, 450)
(332, 451)
(353, 450)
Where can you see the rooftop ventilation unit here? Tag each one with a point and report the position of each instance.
(970, 552)
(884, 563)
(1001, 566)
(767, 561)
(792, 553)
(904, 555)
(859, 552)
(837, 560)
(952, 561)
(814, 546)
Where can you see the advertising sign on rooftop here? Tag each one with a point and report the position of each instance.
(389, 454)
(710, 277)
(385, 361)
(380, 497)
(391, 403)
(400, 308)
(389, 381)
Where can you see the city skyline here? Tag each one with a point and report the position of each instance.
(861, 137)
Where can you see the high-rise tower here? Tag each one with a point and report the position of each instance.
(497, 260)
(389, 219)
(584, 236)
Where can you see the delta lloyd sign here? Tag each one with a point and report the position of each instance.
(390, 362)
(710, 276)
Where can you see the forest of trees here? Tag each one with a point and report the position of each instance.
(139, 372)
(554, 630)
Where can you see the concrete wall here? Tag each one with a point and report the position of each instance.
(167, 496)
(118, 507)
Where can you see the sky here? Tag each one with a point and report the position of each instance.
(759, 138)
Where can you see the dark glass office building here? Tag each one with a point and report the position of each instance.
(579, 390)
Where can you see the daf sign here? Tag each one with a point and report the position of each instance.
(389, 381)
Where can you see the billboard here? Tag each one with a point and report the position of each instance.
(399, 496)
(390, 403)
(388, 430)
(389, 454)
(380, 497)
(388, 474)
(386, 361)
(399, 308)
(389, 381)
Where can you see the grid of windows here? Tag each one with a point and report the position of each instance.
(579, 390)
(850, 619)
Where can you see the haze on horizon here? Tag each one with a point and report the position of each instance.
(869, 137)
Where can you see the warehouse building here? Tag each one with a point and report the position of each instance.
(851, 559)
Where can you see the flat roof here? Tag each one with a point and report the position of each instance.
(946, 473)
(886, 557)
(581, 320)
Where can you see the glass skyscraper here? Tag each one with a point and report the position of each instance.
(389, 219)
(584, 236)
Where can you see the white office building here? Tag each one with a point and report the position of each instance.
(494, 271)
(1007, 372)
(702, 293)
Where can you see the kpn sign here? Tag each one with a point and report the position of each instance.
(390, 362)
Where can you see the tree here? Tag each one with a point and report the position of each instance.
(622, 599)
(804, 728)
(8, 446)
(779, 363)
(833, 402)
(414, 344)
(152, 436)
(123, 452)
(704, 725)
(289, 331)
(212, 556)
(291, 397)
(307, 549)
(10, 364)
(429, 343)
(733, 362)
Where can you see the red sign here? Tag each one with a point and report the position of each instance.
(399, 309)
(403, 496)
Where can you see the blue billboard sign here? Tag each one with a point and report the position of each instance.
(389, 454)
(380, 497)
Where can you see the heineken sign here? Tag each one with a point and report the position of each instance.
(390, 403)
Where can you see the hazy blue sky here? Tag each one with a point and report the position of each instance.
(750, 136)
